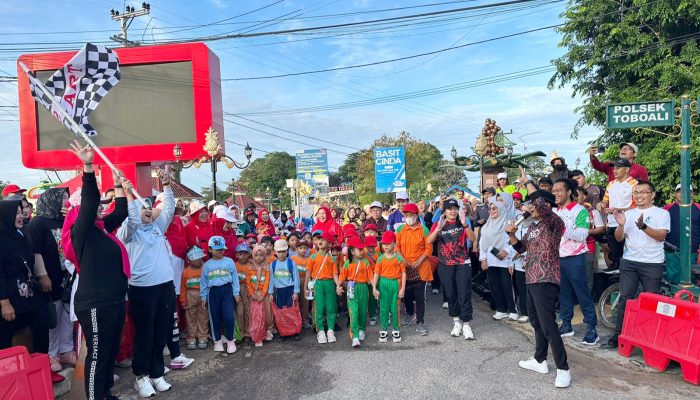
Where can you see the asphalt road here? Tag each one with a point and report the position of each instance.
(435, 366)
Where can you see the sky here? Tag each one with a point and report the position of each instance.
(540, 118)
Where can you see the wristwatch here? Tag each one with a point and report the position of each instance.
(644, 226)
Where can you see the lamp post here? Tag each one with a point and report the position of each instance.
(213, 155)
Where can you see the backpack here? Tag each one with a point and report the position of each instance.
(290, 268)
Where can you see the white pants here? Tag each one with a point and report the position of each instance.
(61, 337)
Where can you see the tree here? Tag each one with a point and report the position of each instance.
(632, 50)
(268, 175)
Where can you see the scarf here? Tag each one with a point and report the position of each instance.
(510, 212)
(492, 231)
(329, 225)
(50, 203)
(266, 228)
(67, 241)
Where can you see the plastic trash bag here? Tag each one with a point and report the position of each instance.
(256, 321)
(287, 319)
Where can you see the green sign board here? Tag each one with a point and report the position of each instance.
(634, 115)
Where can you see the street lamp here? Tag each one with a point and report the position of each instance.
(212, 147)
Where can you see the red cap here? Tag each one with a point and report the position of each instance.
(371, 241)
(517, 195)
(328, 237)
(388, 237)
(411, 208)
(372, 226)
(356, 243)
(12, 189)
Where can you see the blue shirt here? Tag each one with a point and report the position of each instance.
(218, 273)
(281, 277)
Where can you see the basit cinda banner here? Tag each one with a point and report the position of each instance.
(389, 169)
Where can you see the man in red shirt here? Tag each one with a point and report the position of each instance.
(628, 151)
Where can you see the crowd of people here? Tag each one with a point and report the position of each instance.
(134, 273)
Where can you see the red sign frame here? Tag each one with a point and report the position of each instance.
(208, 108)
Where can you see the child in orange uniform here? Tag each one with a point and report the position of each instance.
(322, 279)
(301, 260)
(357, 272)
(195, 311)
(389, 285)
(372, 255)
(242, 266)
(257, 283)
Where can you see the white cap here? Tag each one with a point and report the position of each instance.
(632, 145)
(678, 187)
(195, 206)
(402, 195)
(502, 175)
(211, 203)
(376, 204)
(225, 214)
(517, 180)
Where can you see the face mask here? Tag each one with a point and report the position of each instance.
(410, 220)
(559, 167)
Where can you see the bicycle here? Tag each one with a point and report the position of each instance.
(606, 309)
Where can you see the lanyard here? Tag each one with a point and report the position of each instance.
(257, 280)
(321, 267)
(354, 277)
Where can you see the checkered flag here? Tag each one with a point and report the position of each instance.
(79, 86)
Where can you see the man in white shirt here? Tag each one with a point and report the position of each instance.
(644, 229)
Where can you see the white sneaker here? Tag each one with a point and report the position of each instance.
(116, 377)
(523, 319)
(260, 344)
(499, 316)
(331, 336)
(321, 337)
(362, 335)
(230, 346)
(218, 346)
(166, 370)
(457, 328)
(533, 365)
(181, 362)
(563, 379)
(144, 387)
(269, 336)
(513, 316)
(467, 331)
(160, 384)
(435, 291)
(396, 336)
(382, 336)
(445, 305)
(356, 342)
(373, 321)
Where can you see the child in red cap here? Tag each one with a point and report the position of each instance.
(322, 279)
(389, 283)
(372, 255)
(357, 272)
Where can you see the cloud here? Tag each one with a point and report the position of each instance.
(218, 3)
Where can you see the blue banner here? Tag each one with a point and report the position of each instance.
(389, 169)
(312, 166)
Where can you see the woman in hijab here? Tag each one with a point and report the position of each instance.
(325, 223)
(264, 226)
(22, 301)
(44, 231)
(511, 212)
(222, 223)
(198, 230)
(495, 254)
(102, 264)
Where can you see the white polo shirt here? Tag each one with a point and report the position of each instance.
(639, 246)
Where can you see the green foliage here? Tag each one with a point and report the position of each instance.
(633, 50)
(268, 175)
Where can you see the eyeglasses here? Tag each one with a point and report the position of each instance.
(493, 209)
(642, 192)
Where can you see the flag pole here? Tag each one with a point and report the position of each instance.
(76, 127)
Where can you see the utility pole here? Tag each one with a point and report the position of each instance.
(125, 19)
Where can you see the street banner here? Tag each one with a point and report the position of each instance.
(389, 169)
(312, 167)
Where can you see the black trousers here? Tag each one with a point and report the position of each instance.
(36, 319)
(437, 284)
(457, 283)
(151, 311)
(616, 248)
(174, 337)
(415, 291)
(521, 291)
(102, 327)
(541, 302)
(632, 273)
(501, 284)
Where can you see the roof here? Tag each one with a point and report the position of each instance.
(243, 200)
(179, 190)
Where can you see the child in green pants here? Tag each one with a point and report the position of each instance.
(372, 255)
(322, 280)
(357, 272)
(389, 284)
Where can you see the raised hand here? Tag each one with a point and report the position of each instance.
(620, 217)
(84, 153)
(640, 221)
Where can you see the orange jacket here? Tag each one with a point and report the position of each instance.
(327, 268)
(351, 271)
(413, 243)
(251, 281)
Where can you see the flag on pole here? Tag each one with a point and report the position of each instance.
(80, 85)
